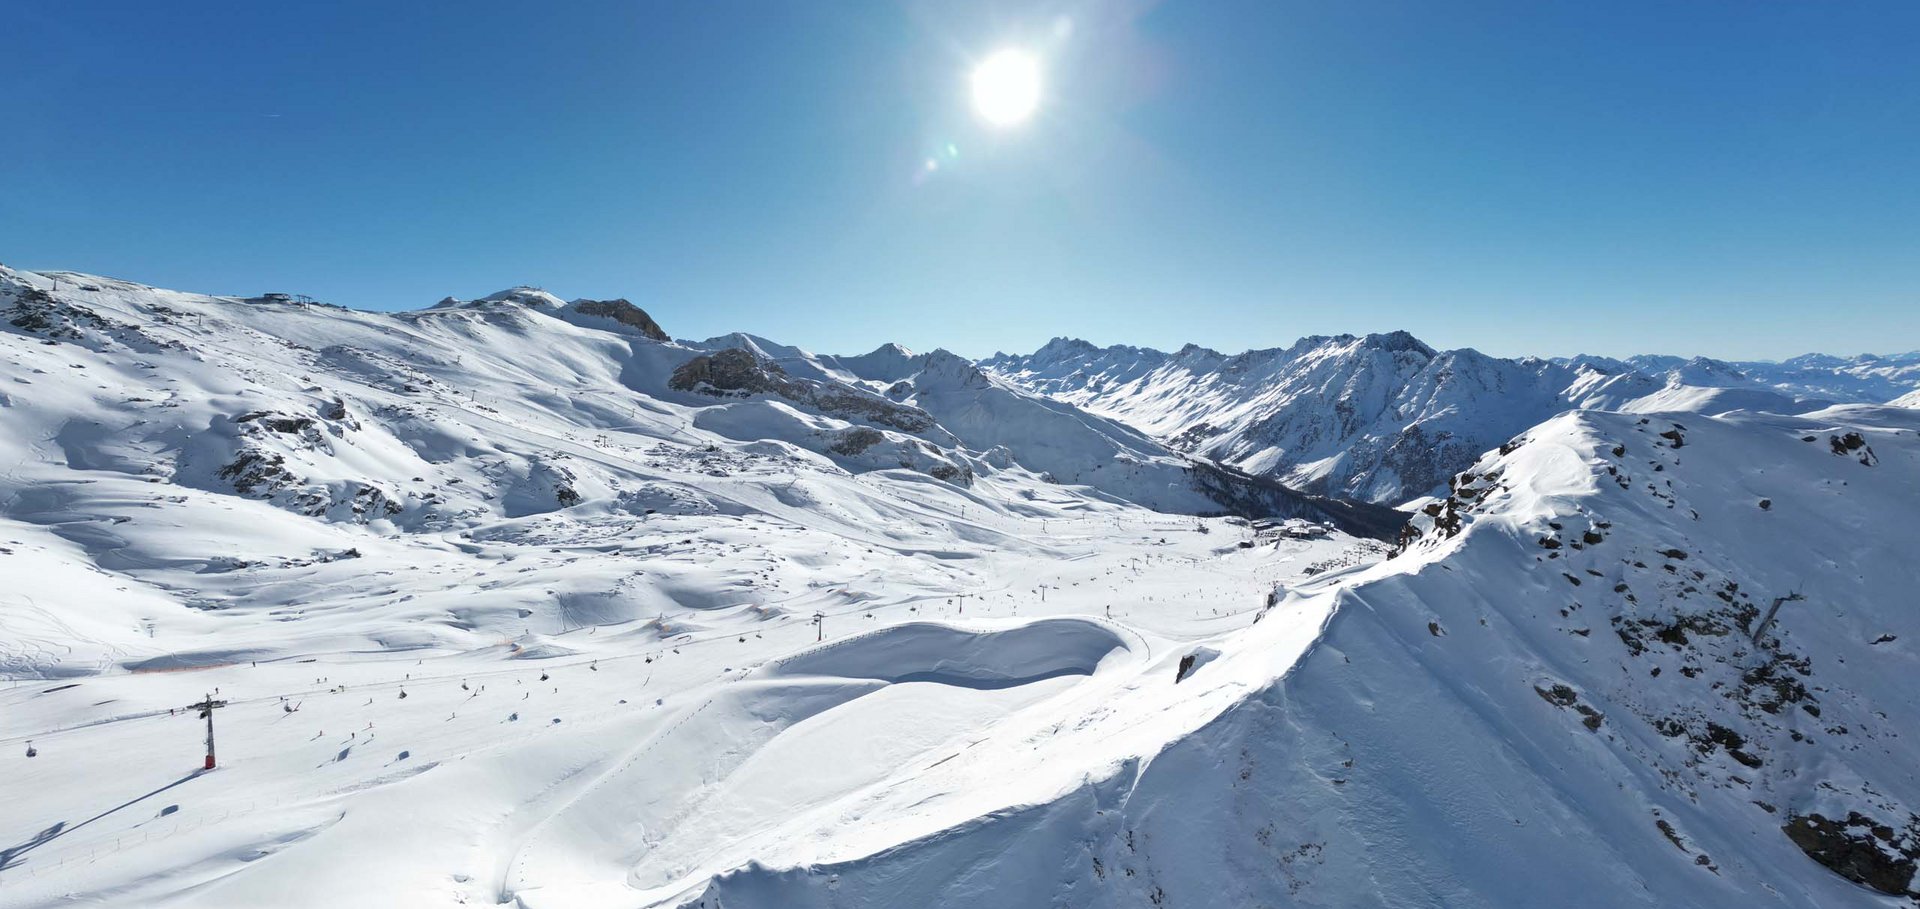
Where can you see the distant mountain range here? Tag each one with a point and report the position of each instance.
(1387, 418)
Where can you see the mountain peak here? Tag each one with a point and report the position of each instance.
(1064, 346)
(524, 295)
(944, 368)
(1397, 341)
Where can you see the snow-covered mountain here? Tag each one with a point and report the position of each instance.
(396, 417)
(1386, 418)
(1381, 417)
(1065, 443)
(1628, 662)
(514, 406)
(1862, 379)
(511, 601)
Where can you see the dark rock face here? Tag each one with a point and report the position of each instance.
(254, 469)
(1853, 442)
(729, 370)
(734, 372)
(372, 502)
(624, 313)
(1446, 518)
(277, 422)
(1564, 697)
(738, 373)
(1860, 849)
(856, 440)
(260, 467)
(949, 473)
(1732, 742)
(38, 312)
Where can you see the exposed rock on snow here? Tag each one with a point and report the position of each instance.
(1861, 849)
(595, 313)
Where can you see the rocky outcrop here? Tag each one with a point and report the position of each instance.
(734, 372)
(622, 312)
(1861, 849)
(855, 441)
(729, 372)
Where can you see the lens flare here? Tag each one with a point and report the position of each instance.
(1006, 87)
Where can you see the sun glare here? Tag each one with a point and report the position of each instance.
(1006, 87)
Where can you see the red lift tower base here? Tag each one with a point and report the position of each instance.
(206, 708)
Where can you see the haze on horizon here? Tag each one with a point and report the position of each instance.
(1721, 179)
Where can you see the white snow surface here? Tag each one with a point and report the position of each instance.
(598, 596)
(276, 499)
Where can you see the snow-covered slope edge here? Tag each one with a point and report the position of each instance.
(1570, 689)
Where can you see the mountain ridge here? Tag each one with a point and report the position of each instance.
(1404, 415)
(615, 350)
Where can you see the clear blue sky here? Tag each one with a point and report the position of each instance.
(1737, 179)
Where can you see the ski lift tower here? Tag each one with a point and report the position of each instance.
(206, 708)
(819, 626)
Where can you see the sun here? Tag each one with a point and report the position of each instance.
(1006, 87)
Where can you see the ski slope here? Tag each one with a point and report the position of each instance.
(513, 602)
(655, 753)
(309, 510)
